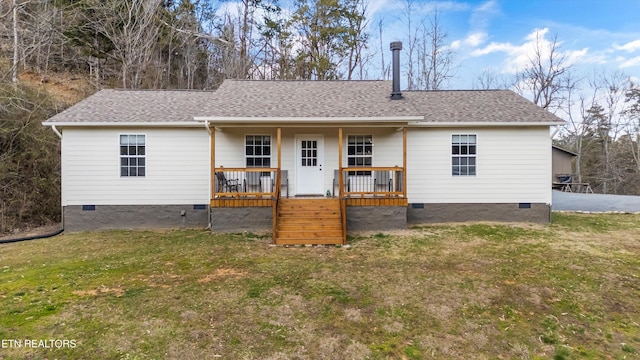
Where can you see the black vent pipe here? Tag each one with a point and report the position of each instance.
(396, 46)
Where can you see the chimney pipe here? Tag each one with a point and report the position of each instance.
(396, 46)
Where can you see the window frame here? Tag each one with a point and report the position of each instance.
(356, 156)
(138, 157)
(467, 156)
(261, 156)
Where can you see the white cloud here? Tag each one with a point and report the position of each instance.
(519, 56)
(482, 14)
(476, 39)
(628, 47)
(574, 56)
(382, 6)
(495, 47)
(473, 40)
(633, 62)
(428, 7)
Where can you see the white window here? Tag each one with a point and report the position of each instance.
(360, 152)
(132, 155)
(463, 155)
(258, 150)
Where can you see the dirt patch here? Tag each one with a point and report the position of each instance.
(117, 292)
(220, 273)
(64, 87)
(159, 280)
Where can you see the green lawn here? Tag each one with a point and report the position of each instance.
(565, 291)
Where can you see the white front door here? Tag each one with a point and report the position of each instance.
(309, 160)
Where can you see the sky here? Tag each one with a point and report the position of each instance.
(595, 36)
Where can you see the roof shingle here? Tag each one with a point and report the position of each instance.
(135, 106)
(303, 99)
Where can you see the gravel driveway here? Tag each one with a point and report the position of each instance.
(563, 201)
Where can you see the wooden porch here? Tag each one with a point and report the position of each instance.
(319, 220)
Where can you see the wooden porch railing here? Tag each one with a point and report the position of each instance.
(377, 182)
(245, 183)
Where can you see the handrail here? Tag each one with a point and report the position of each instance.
(343, 214)
(274, 210)
(373, 181)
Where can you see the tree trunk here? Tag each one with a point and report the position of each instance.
(14, 77)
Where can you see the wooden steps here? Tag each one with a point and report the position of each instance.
(309, 221)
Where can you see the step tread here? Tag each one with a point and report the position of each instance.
(309, 221)
(307, 227)
(303, 241)
(308, 234)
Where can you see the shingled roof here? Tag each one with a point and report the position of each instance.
(261, 100)
(306, 99)
(115, 106)
(478, 106)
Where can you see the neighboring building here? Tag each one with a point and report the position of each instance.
(561, 163)
(346, 155)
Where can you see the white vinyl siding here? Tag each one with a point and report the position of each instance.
(177, 168)
(513, 165)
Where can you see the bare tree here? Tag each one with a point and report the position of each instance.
(411, 46)
(429, 58)
(14, 69)
(436, 56)
(383, 68)
(490, 80)
(545, 78)
(357, 37)
(133, 31)
(632, 123)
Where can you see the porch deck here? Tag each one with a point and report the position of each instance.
(320, 220)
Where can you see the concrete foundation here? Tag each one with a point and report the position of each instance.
(437, 213)
(102, 217)
(241, 219)
(375, 218)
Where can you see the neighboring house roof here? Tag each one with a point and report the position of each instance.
(564, 150)
(117, 106)
(300, 101)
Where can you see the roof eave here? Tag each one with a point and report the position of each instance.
(123, 124)
(308, 120)
(484, 123)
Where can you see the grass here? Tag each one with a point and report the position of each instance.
(485, 290)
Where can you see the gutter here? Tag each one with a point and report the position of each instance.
(124, 124)
(55, 130)
(482, 124)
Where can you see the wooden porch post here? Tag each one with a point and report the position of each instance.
(404, 161)
(213, 162)
(341, 180)
(279, 139)
(276, 188)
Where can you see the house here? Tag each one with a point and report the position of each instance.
(308, 160)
